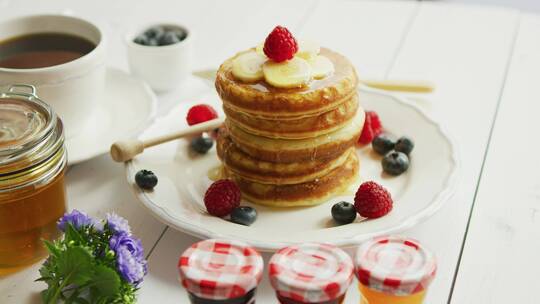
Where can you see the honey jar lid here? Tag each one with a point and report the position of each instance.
(30, 134)
(395, 265)
(311, 273)
(220, 269)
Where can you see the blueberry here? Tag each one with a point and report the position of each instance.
(383, 143)
(343, 212)
(146, 179)
(244, 215)
(168, 38)
(201, 145)
(181, 34)
(405, 145)
(153, 42)
(154, 32)
(141, 39)
(395, 163)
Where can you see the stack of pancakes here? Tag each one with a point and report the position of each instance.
(291, 147)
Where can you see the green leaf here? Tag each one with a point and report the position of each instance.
(75, 265)
(106, 281)
(45, 295)
(52, 248)
(45, 274)
(72, 234)
(80, 301)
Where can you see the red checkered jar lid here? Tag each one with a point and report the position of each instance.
(220, 269)
(311, 273)
(395, 265)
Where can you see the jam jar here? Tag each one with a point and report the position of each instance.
(311, 273)
(32, 167)
(221, 272)
(394, 270)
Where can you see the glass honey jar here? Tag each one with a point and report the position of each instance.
(32, 166)
(394, 270)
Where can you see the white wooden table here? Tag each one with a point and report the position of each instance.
(486, 64)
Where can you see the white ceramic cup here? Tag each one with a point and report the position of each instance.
(73, 88)
(162, 67)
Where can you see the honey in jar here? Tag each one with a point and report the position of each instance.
(394, 270)
(32, 167)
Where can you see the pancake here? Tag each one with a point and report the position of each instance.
(263, 100)
(264, 172)
(296, 127)
(304, 194)
(290, 151)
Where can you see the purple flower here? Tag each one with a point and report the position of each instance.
(130, 260)
(118, 224)
(131, 269)
(132, 244)
(76, 218)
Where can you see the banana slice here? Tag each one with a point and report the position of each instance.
(248, 66)
(289, 74)
(260, 49)
(308, 49)
(321, 67)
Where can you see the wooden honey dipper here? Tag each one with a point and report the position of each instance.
(125, 150)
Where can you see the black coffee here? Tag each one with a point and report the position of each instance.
(42, 50)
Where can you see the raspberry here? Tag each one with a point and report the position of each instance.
(372, 200)
(372, 128)
(280, 45)
(222, 197)
(200, 113)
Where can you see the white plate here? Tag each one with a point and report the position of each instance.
(127, 108)
(177, 200)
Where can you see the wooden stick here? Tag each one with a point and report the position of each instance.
(413, 86)
(125, 150)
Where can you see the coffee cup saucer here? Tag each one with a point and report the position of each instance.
(126, 108)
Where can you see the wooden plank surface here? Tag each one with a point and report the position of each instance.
(464, 50)
(500, 261)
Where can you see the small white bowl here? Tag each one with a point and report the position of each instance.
(163, 67)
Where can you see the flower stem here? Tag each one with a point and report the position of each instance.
(54, 299)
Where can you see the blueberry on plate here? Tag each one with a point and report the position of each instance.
(343, 212)
(141, 39)
(383, 143)
(154, 32)
(395, 163)
(405, 145)
(201, 144)
(146, 179)
(168, 38)
(244, 215)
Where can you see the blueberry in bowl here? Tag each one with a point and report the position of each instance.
(161, 35)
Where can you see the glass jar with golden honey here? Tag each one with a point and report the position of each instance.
(394, 270)
(32, 167)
